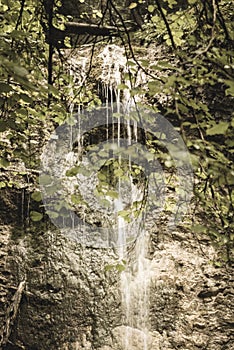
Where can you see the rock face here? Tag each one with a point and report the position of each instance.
(72, 300)
(69, 298)
(190, 299)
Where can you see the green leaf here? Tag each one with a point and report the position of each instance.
(112, 194)
(230, 90)
(102, 177)
(109, 267)
(197, 228)
(72, 172)
(122, 87)
(218, 263)
(53, 91)
(76, 199)
(120, 267)
(132, 5)
(5, 87)
(19, 34)
(144, 63)
(20, 71)
(45, 179)
(154, 87)
(130, 64)
(155, 19)
(36, 196)
(2, 184)
(125, 215)
(4, 162)
(220, 128)
(99, 14)
(52, 214)
(151, 8)
(169, 163)
(118, 172)
(3, 126)
(36, 216)
(26, 98)
(162, 65)
(229, 143)
(52, 189)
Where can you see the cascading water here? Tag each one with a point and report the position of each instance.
(135, 278)
(135, 298)
(102, 174)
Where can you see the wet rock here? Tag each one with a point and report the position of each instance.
(72, 301)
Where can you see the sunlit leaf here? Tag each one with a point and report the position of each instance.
(72, 172)
(230, 90)
(109, 267)
(52, 214)
(197, 228)
(151, 8)
(36, 196)
(112, 194)
(4, 162)
(36, 216)
(132, 5)
(122, 86)
(99, 14)
(2, 184)
(219, 128)
(120, 267)
(76, 199)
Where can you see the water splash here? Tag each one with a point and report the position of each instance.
(135, 282)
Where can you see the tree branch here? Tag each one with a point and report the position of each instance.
(126, 31)
(55, 35)
(12, 312)
(92, 29)
(206, 49)
(166, 24)
(20, 14)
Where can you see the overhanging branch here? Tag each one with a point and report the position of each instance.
(56, 36)
(92, 29)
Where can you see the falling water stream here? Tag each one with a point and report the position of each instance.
(135, 298)
(135, 277)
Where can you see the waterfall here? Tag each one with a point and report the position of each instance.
(122, 213)
(135, 278)
(103, 172)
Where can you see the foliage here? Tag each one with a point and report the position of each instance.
(200, 38)
(196, 74)
(22, 69)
